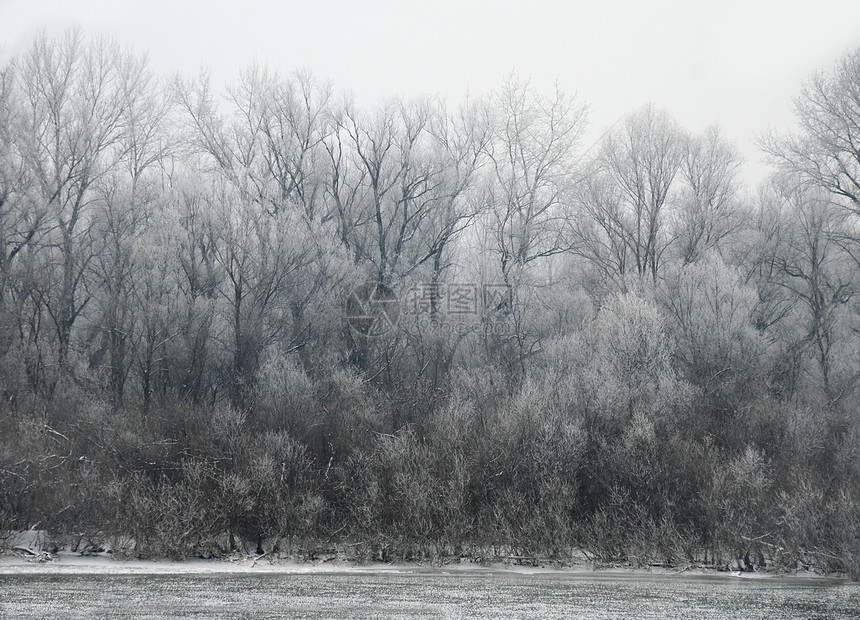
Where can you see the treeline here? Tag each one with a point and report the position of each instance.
(617, 348)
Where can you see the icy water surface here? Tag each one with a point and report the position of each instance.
(491, 595)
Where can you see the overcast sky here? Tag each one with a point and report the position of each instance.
(734, 63)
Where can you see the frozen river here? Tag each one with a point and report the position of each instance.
(419, 594)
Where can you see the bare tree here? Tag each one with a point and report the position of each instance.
(266, 138)
(22, 217)
(824, 155)
(532, 169)
(717, 344)
(708, 210)
(127, 197)
(826, 151)
(76, 96)
(187, 360)
(601, 228)
(265, 147)
(642, 159)
(399, 181)
(260, 256)
(532, 154)
(814, 268)
(462, 140)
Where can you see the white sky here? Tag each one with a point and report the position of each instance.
(735, 63)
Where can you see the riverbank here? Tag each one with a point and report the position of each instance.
(35, 551)
(71, 563)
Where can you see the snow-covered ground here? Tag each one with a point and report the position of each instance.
(66, 562)
(25, 556)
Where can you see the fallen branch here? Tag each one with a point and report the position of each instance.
(30, 555)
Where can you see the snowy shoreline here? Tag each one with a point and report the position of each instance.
(71, 563)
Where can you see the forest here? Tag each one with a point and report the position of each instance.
(263, 319)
